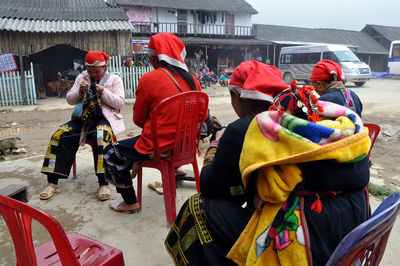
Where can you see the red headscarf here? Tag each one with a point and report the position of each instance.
(257, 81)
(169, 48)
(326, 70)
(96, 58)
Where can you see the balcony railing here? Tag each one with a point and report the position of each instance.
(186, 29)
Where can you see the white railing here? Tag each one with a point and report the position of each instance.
(11, 91)
(130, 75)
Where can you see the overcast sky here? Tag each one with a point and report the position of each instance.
(340, 14)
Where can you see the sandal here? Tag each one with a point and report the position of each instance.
(104, 193)
(49, 192)
(157, 187)
(114, 204)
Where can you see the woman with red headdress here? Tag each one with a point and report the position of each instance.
(308, 161)
(327, 79)
(170, 77)
(209, 223)
(98, 96)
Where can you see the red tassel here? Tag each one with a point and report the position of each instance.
(293, 85)
(317, 206)
(282, 110)
(272, 108)
(314, 98)
(314, 117)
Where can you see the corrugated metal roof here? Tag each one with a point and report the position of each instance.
(238, 6)
(391, 33)
(357, 39)
(54, 10)
(27, 25)
(196, 40)
(61, 16)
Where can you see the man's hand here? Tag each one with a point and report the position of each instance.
(83, 87)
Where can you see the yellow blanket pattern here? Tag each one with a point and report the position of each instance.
(275, 158)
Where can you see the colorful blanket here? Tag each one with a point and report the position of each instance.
(274, 143)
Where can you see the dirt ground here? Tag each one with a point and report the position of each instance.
(78, 209)
(380, 99)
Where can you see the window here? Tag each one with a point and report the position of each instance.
(396, 50)
(309, 58)
(286, 58)
(346, 56)
(330, 56)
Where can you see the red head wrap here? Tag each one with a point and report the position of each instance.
(169, 48)
(257, 81)
(96, 58)
(326, 70)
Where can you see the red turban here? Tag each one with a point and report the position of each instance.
(326, 70)
(257, 81)
(169, 48)
(96, 58)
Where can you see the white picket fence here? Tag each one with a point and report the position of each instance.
(130, 75)
(11, 92)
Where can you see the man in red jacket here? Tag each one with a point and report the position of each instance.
(167, 54)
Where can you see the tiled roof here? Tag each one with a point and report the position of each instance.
(71, 10)
(61, 16)
(283, 34)
(239, 6)
(27, 25)
(389, 32)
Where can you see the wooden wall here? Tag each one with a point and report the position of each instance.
(27, 43)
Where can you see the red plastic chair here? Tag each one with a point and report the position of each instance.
(74, 163)
(191, 115)
(373, 134)
(71, 249)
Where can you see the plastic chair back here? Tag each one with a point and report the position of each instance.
(192, 111)
(18, 217)
(373, 132)
(366, 244)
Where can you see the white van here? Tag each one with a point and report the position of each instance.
(296, 62)
(394, 58)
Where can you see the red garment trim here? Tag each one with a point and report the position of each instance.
(367, 201)
(310, 193)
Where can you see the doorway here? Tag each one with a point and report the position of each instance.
(182, 21)
(230, 24)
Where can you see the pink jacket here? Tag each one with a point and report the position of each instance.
(112, 99)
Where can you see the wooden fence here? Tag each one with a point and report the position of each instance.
(11, 91)
(130, 75)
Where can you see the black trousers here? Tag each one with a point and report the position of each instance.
(64, 144)
(118, 160)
